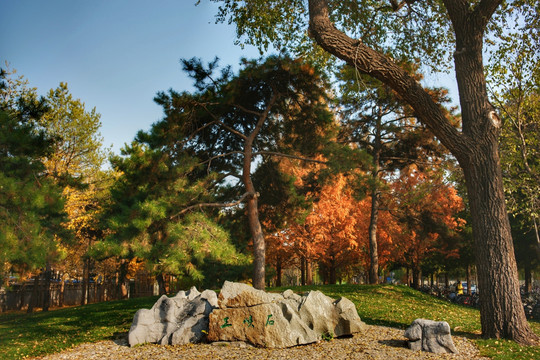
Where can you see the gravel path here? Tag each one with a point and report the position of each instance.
(376, 342)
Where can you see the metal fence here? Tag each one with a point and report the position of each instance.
(18, 296)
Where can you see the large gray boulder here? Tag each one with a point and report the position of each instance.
(181, 319)
(279, 320)
(429, 335)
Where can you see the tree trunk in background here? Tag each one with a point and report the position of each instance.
(35, 295)
(309, 273)
(47, 290)
(302, 271)
(278, 272)
(62, 288)
(468, 275)
(528, 279)
(375, 197)
(161, 284)
(333, 277)
(123, 282)
(415, 278)
(84, 284)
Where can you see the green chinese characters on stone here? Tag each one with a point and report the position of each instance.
(249, 321)
(226, 323)
(268, 321)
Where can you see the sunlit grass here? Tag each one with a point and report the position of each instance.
(399, 306)
(23, 335)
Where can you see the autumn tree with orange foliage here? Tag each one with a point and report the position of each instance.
(427, 208)
(388, 231)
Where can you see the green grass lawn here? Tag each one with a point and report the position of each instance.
(396, 306)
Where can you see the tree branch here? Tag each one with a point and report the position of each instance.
(379, 66)
(231, 204)
(253, 112)
(223, 125)
(273, 153)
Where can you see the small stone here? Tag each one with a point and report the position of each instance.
(429, 335)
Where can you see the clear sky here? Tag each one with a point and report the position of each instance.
(115, 55)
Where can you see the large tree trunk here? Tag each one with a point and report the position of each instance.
(501, 310)
(475, 148)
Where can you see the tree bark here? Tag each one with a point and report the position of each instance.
(475, 148)
(84, 284)
(309, 273)
(374, 217)
(501, 311)
(259, 245)
(123, 282)
(161, 284)
(302, 271)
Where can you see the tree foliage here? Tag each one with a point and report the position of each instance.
(31, 204)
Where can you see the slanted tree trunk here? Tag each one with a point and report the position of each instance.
(476, 149)
(259, 245)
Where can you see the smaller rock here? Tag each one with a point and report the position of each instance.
(178, 320)
(429, 335)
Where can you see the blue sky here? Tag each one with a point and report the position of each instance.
(115, 55)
